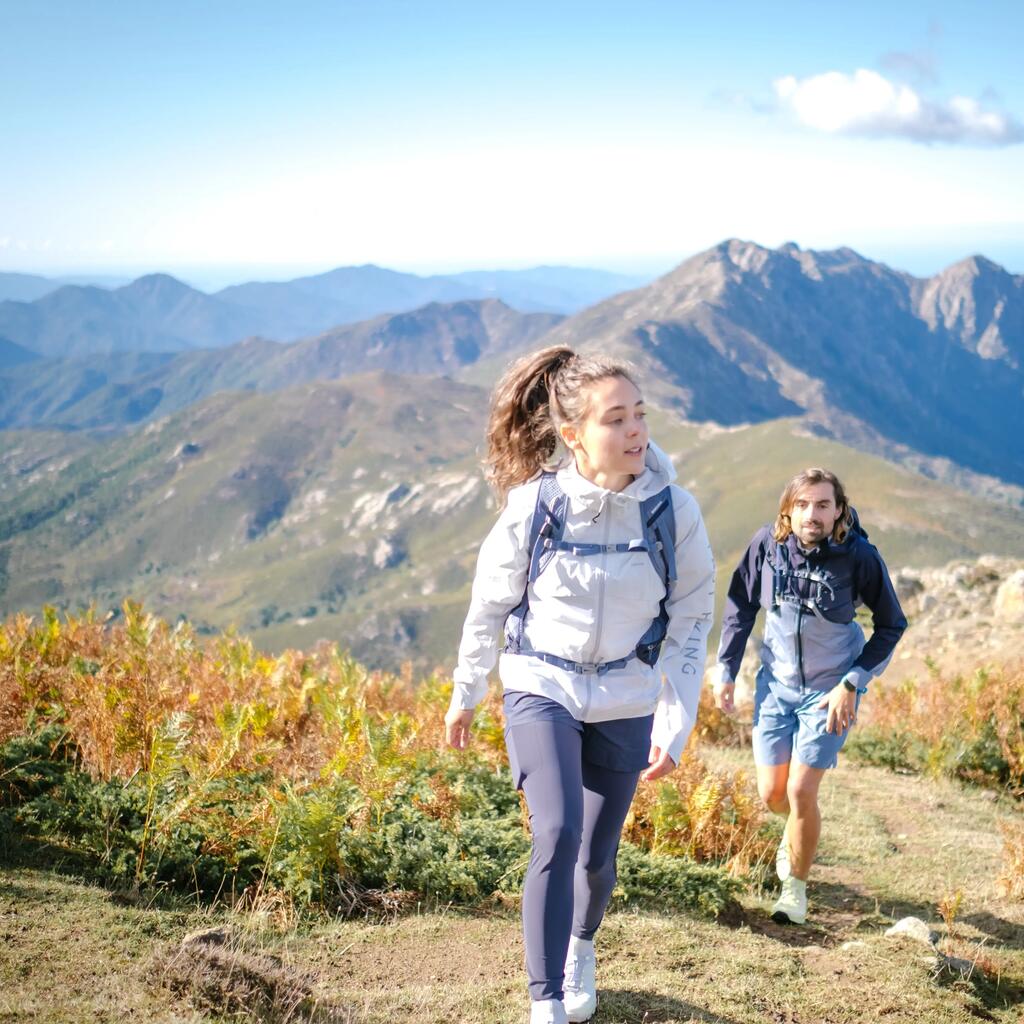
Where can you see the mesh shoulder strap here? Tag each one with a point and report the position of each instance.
(546, 529)
(657, 516)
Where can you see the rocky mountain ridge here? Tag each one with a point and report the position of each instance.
(741, 333)
(436, 340)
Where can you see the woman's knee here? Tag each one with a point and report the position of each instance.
(558, 838)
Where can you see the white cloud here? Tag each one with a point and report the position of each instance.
(867, 103)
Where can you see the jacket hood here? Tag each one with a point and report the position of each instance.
(585, 494)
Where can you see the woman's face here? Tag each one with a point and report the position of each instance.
(611, 442)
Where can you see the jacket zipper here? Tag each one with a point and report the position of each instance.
(800, 645)
(601, 576)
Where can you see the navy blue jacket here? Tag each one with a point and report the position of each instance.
(810, 598)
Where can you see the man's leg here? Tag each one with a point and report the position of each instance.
(773, 786)
(804, 826)
(775, 725)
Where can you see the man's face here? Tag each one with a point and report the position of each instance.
(813, 513)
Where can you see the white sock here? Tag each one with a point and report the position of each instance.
(581, 949)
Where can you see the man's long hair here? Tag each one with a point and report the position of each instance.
(808, 478)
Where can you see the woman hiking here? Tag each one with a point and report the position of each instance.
(600, 572)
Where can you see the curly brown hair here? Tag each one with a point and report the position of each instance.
(535, 396)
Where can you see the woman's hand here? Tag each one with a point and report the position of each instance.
(456, 727)
(661, 764)
(725, 697)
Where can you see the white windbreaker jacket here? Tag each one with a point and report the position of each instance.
(594, 609)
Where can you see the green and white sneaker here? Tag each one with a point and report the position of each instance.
(791, 906)
(782, 859)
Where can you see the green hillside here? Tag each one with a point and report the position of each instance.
(352, 511)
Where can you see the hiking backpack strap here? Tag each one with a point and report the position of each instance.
(546, 529)
(657, 516)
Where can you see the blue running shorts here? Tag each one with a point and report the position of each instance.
(788, 721)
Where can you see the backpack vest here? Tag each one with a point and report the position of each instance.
(547, 527)
(786, 578)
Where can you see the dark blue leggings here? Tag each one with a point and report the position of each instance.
(576, 814)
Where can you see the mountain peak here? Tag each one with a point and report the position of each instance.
(974, 266)
(150, 283)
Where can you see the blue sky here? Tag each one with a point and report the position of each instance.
(244, 139)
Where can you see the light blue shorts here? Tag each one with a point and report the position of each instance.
(788, 721)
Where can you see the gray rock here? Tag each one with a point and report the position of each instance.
(954, 965)
(913, 928)
(1009, 603)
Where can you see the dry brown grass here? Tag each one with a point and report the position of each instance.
(1011, 879)
(138, 697)
(968, 727)
(704, 814)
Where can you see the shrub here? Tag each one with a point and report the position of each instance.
(211, 768)
(969, 727)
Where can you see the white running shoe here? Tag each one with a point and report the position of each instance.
(782, 859)
(580, 980)
(548, 1011)
(791, 906)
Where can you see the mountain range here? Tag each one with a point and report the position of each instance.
(158, 313)
(870, 356)
(926, 371)
(117, 390)
(331, 487)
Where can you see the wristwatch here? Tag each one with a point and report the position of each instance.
(849, 686)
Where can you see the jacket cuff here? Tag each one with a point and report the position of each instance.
(466, 696)
(720, 674)
(859, 677)
(670, 731)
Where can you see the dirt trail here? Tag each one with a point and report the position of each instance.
(892, 845)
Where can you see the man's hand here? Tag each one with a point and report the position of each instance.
(456, 728)
(661, 764)
(842, 709)
(725, 697)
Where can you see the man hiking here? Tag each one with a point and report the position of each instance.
(809, 571)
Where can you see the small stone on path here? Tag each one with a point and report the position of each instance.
(914, 928)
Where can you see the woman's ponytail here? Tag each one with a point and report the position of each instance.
(521, 433)
(535, 396)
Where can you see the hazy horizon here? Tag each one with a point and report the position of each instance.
(919, 262)
(459, 136)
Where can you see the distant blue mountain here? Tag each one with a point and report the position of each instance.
(12, 355)
(25, 287)
(158, 313)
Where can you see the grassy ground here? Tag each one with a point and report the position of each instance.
(892, 846)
